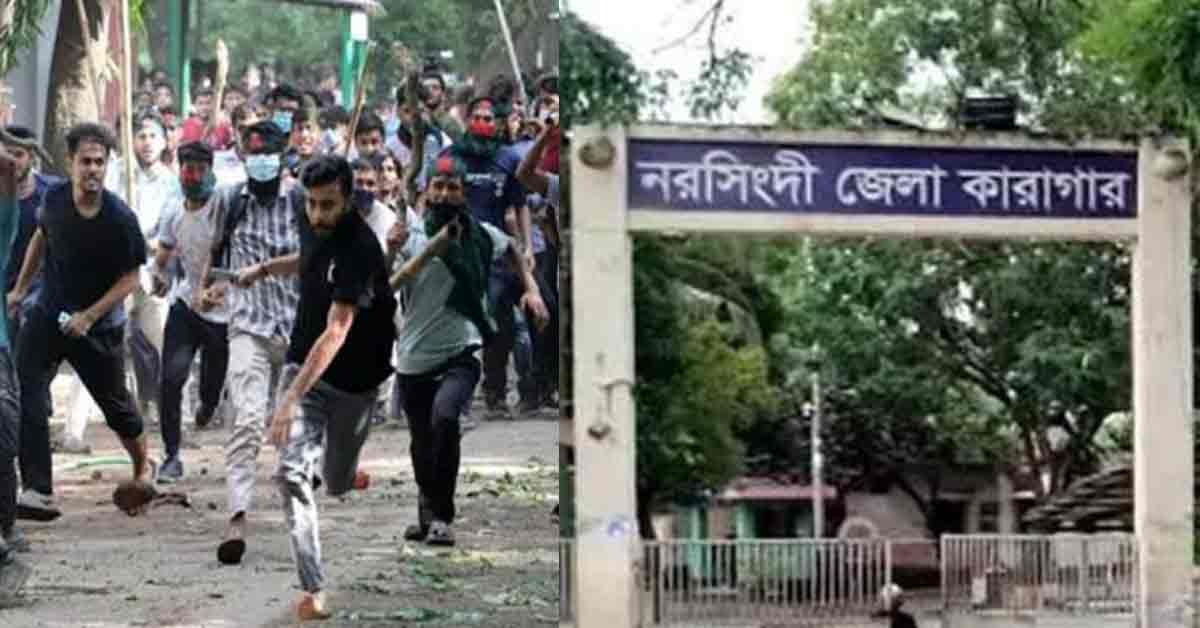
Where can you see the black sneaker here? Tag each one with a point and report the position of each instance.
(416, 532)
(171, 471)
(419, 530)
(497, 409)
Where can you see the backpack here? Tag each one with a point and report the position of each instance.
(235, 217)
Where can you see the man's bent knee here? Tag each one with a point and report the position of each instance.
(127, 425)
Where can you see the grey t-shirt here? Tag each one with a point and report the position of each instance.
(191, 234)
(428, 332)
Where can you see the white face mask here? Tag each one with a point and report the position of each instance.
(262, 168)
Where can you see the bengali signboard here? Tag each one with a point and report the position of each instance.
(881, 180)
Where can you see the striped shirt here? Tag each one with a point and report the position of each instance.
(268, 308)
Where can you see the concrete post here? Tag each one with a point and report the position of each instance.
(1006, 517)
(605, 442)
(1162, 387)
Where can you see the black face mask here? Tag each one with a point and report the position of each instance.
(442, 213)
(264, 191)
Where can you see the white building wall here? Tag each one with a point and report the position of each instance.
(30, 78)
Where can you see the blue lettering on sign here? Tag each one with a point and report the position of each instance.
(881, 180)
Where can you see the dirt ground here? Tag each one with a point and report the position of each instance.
(97, 568)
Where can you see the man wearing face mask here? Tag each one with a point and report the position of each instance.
(443, 282)
(366, 187)
(258, 223)
(284, 102)
(194, 323)
(492, 190)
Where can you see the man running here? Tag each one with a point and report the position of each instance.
(13, 573)
(443, 282)
(340, 352)
(193, 322)
(260, 219)
(93, 250)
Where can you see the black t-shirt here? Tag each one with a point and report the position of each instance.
(347, 267)
(85, 257)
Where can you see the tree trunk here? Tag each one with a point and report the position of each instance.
(71, 99)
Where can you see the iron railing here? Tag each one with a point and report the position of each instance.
(836, 582)
(1082, 574)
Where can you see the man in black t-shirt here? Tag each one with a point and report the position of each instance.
(92, 249)
(340, 352)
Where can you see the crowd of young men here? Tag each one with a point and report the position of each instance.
(304, 279)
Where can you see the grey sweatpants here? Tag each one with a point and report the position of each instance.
(333, 425)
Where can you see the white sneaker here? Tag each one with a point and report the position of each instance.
(72, 445)
(36, 506)
(467, 423)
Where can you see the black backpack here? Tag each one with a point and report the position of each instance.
(235, 216)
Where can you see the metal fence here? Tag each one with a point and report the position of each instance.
(1088, 574)
(759, 582)
(836, 582)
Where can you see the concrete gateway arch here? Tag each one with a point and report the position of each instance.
(877, 184)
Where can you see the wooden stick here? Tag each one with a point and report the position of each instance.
(127, 104)
(89, 57)
(360, 94)
(419, 130)
(218, 115)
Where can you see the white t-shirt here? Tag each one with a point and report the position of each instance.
(380, 220)
(429, 333)
(191, 234)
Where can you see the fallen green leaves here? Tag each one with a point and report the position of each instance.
(449, 618)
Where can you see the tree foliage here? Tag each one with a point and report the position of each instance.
(20, 26)
(1027, 343)
(925, 57)
(687, 427)
(308, 36)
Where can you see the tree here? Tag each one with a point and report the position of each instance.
(308, 37)
(71, 98)
(1029, 336)
(686, 426)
